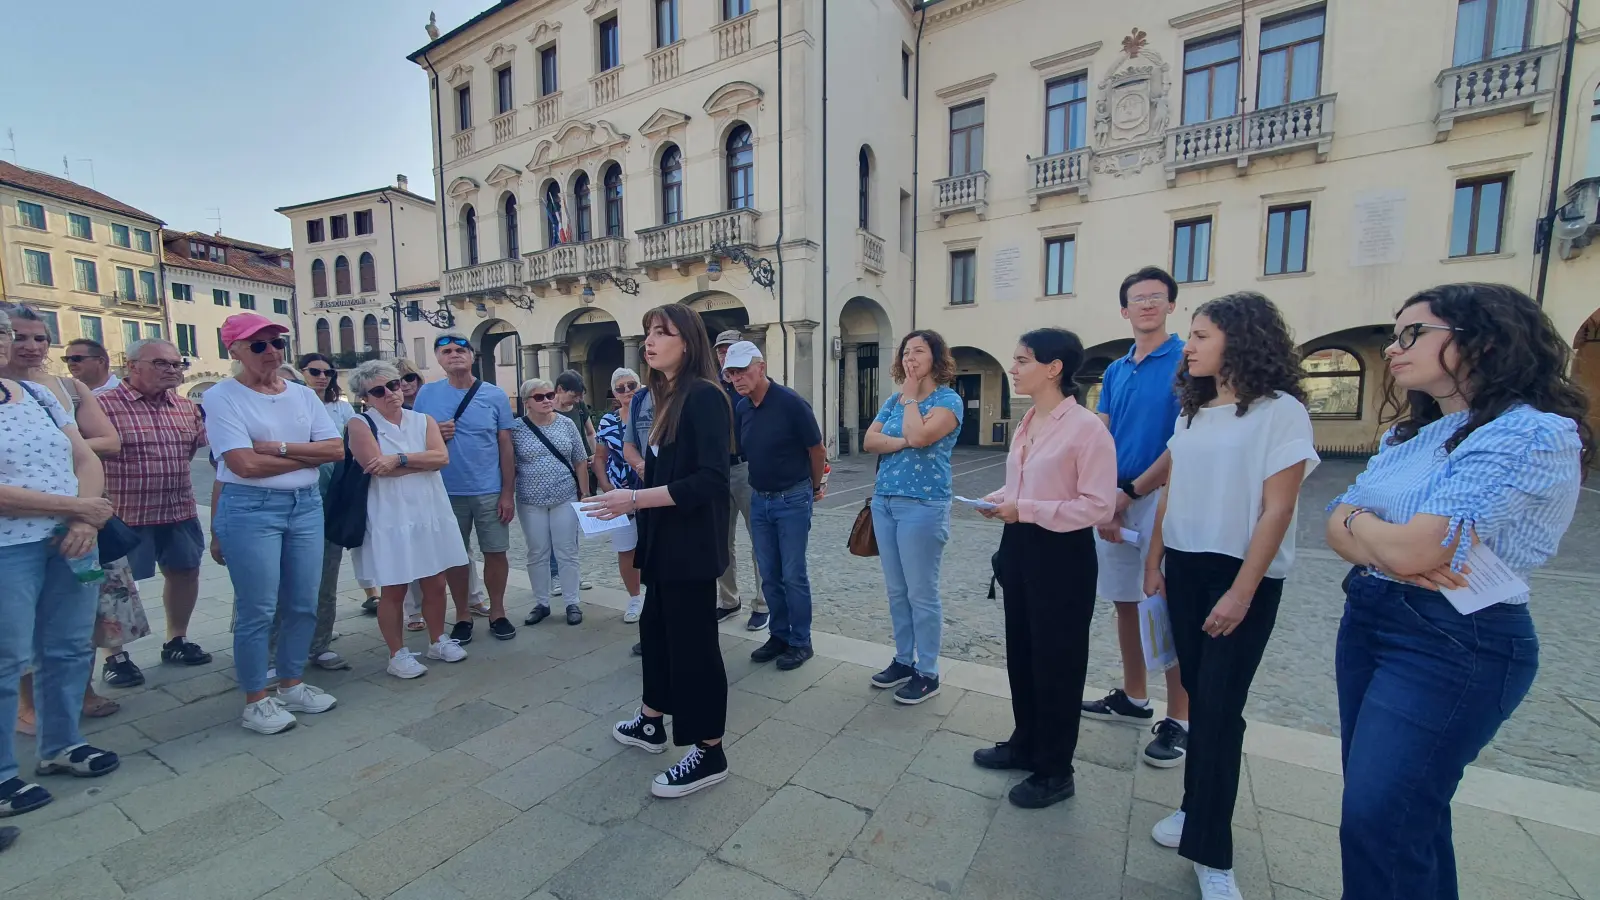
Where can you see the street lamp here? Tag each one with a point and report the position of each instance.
(760, 268)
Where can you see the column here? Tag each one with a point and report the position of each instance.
(530, 361)
(805, 373)
(558, 359)
(850, 398)
(756, 334)
(630, 351)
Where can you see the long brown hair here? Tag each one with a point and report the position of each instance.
(699, 364)
(944, 365)
(1259, 358)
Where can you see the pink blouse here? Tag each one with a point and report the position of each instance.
(1062, 471)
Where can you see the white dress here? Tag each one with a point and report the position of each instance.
(411, 530)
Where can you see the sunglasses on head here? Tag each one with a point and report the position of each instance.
(76, 358)
(380, 390)
(411, 378)
(447, 341)
(627, 387)
(540, 398)
(275, 343)
(318, 373)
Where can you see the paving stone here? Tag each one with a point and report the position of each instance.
(447, 729)
(893, 726)
(716, 879)
(615, 791)
(1575, 855)
(853, 879)
(1302, 853)
(82, 880)
(1493, 844)
(1164, 787)
(851, 679)
(313, 740)
(396, 857)
(525, 851)
(194, 840)
(246, 875)
(1016, 860)
(76, 795)
(47, 848)
(1295, 790)
(125, 739)
(947, 759)
(317, 785)
(936, 707)
(529, 782)
(550, 685)
(429, 887)
(610, 658)
(401, 794)
(1282, 892)
(523, 735)
(770, 681)
(209, 684)
(773, 752)
(1114, 745)
(858, 772)
(585, 640)
(1150, 862)
(821, 709)
(795, 838)
(1139, 889)
(632, 862)
(925, 831)
(708, 818)
(180, 719)
(1485, 887)
(1101, 802)
(162, 804)
(747, 710)
(595, 739)
(317, 884)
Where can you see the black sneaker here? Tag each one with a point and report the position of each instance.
(502, 628)
(461, 632)
(370, 606)
(794, 658)
(1169, 747)
(120, 672)
(700, 768)
(574, 614)
(921, 687)
(638, 649)
(1002, 756)
(757, 621)
(539, 614)
(771, 650)
(1116, 707)
(184, 652)
(897, 674)
(726, 613)
(648, 733)
(1038, 791)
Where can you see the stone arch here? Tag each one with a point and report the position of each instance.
(986, 398)
(721, 311)
(1344, 388)
(1095, 361)
(867, 342)
(486, 339)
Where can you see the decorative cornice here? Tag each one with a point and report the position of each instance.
(461, 188)
(732, 97)
(501, 50)
(545, 29)
(575, 140)
(951, 10)
(457, 73)
(1227, 11)
(1066, 57)
(971, 86)
(503, 173)
(662, 121)
(594, 6)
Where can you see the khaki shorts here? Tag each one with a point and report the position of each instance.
(483, 513)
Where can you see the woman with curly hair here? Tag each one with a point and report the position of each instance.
(1225, 530)
(1489, 447)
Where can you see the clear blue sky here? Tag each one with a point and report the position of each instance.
(242, 106)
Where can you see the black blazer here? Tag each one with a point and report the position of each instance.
(689, 540)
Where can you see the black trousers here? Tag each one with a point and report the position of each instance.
(683, 674)
(1049, 583)
(1217, 673)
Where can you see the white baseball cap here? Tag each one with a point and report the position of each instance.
(741, 355)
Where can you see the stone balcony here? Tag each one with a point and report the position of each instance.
(678, 244)
(547, 111)
(562, 265)
(1525, 81)
(665, 62)
(1307, 124)
(961, 193)
(736, 36)
(505, 126)
(1062, 173)
(463, 143)
(482, 280)
(607, 86)
(869, 251)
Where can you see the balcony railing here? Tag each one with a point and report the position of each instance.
(349, 359)
(482, 279)
(607, 86)
(547, 110)
(571, 261)
(869, 251)
(1236, 139)
(463, 143)
(736, 36)
(961, 193)
(1526, 81)
(505, 126)
(1062, 173)
(676, 244)
(664, 63)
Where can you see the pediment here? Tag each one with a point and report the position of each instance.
(462, 188)
(499, 53)
(662, 121)
(502, 174)
(545, 30)
(594, 6)
(458, 73)
(732, 97)
(576, 140)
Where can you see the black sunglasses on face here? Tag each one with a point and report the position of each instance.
(447, 341)
(382, 389)
(318, 373)
(540, 398)
(275, 343)
(76, 358)
(411, 378)
(626, 387)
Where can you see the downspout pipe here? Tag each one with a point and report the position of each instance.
(1547, 224)
(394, 263)
(777, 246)
(438, 141)
(825, 350)
(916, 162)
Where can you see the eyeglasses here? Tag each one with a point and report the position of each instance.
(447, 341)
(540, 398)
(275, 343)
(411, 378)
(380, 390)
(1406, 338)
(626, 387)
(76, 358)
(168, 365)
(1148, 301)
(318, 373)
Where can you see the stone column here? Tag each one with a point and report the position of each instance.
(530, 361)
(850, 395)
(805, 370)
(558, 359)
(630, 351)
(756, 334)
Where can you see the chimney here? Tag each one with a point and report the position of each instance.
(400, 182)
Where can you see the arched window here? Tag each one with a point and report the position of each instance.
(1592, 170)
(369, 333)
(368, 273)
(347, 335)
(671, 186)
(324, 338)
(1090, 378)
(508, 215)
(1334, 384)
(552, 215)
(741, 170)
(469, 235)
(341, 276)
(864, 188)
(585, 207)
(613, 182)
(319, 279)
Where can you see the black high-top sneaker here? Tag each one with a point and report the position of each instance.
(648, 733)
(702, 767)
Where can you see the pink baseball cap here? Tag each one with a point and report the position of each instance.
(243, 325)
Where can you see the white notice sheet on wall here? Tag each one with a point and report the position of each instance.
(1007, 283)
(1377, 228)
(1489, 581)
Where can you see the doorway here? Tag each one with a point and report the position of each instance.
(970, 389)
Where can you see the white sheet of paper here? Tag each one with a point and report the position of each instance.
(1129, 536)
(1491, 581)
(1155, 634)
(592, 526)
(976, 504)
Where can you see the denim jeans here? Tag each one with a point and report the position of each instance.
(49, 618)
(1422, 689)
(911, 536)
(272, 541)
(780, 525)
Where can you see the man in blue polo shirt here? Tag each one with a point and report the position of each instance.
(780, 438)
(1139, 403)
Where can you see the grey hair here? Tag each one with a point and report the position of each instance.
(137, 347)
(534, 384)
(21, 311)
(371, 373)
(621, 373)
(405, 366)
(287, 373)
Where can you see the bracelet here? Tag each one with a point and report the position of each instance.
(1352, 515)
(635, 501)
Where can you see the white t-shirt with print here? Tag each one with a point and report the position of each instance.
(237, 417)
(1220, 464)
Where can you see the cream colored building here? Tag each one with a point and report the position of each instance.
(209, 277)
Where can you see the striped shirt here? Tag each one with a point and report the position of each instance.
(1513, 482)
(148, 479)
(618, 471)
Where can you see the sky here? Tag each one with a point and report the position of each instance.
(244, 107)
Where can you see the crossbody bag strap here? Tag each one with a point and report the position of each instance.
(467, 400)
(43, 405)
(539, 433)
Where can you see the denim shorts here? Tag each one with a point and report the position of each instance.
(482, 512)
(174, 545)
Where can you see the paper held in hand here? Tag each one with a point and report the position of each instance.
(1155, 634)
(976, 504)
(592, 526)
(1489, 581)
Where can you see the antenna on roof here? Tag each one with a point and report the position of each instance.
(91, 171)
(216, 218)
(11, 137)
(66, 170)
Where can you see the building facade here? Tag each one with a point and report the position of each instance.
(209, 277)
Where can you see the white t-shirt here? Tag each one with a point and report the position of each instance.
(1219, 467)
(111, 384)
(237, 417)
(340, 411)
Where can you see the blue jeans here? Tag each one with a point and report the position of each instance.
(1422, 689)
(780, 526)
(49, 618)
(911, 536)
(272, 541)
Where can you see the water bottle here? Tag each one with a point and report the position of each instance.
(827, 470)
(85, 568)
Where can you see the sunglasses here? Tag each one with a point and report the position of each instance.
(76, 358)
(380, 390)
(275, 343)
(411, 378)
(447, 341)
(540, 398)
(318, 373)
(626, 387)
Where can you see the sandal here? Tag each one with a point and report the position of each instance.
(81, 761)
(18, 796)
(480, 608)
(415, 623)
(98, 707)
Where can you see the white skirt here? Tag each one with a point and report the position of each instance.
(411, 531)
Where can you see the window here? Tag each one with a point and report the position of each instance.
(339, 226)
(1486, 29)
(182, 292)
(220, 297)
(219, 254)
(30, 215)
(906, 226)
(905, 73)
(314, 231)
(469, 229)
(120, 236)
(80, 226)
(502, 90)
(733, 9)
(613, 187)
(347, 335)
(197, 250)
(319, 278)
(741, 169)
(508, 217)
(130, 333)
(364, 221)
(147, 287)
(52, 326)
(187, 345)
(1333, 384)
(143, 240)
(966, 139)
(585, 196)
(1291, 60)
(85, 277)
(369, 333)
(463, 107)
(280, 305)
(1592, 170)
(341, 276)
(1191, 251)
(222, 346)
(1287, 227)
(610, 45)
(671, 186)
(367, 271)
(864, 189)
(1211, 79)
(505, 352)
(325, 338)
(1066, 114)
(152, 331)
(1475, 225)
(1060, 265)
(125, 288)
(36, 268)
(554, 231)
(89, 327)
(247, 301)
(419, 352)
(548, 73)
(963, 277)
(666, 22)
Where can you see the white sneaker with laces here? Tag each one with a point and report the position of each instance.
(1169, 831)
(635, 606)
(305, 698)
(267, 716)
(404, 665)
(272, 675)
(447, 650)
(1216, 884)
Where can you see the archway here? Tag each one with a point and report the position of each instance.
(498, 362)
(1586, 365)
(720, 312)
(194, 391)
(1344, 389)
(1096, 360)
(594, 350)
(985, 396)
(865, 339)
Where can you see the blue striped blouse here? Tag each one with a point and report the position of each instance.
(1513, 482)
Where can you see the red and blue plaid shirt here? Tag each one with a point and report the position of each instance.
(148, 480)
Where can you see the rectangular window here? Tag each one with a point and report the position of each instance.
(314, 234)
(143, 240)
(905, 73)
(363, 221)
(610, 45)
(120, 236)
(502, 90)
(80, 227)
(247, 301)
(548, 81)
(219, 297)
(182, 292)
(966, 139)
(1477, 224)
(1066, 114)
(219, 255)
(152, 331)
(280, 306)
(419, 352)
(1191, 250)
(30, 215)
(963, 277)
(1060, 265)
(1287, 230)
(1211, 79)
(52, 326)
(733, 9)
(197, 250)
(463, 107)
(147, 287)
(1291, 60)
(906, 223)
(85, 276)
(1487, 29)
(89, 327)
(130, 333)
(222, 346)
(666, 22)
(339, 227)
(187, 345)
(36, 268)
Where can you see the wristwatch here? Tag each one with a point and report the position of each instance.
(1127, 488)
(404, 460)
(283, 448)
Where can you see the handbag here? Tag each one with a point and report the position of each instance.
(344, 510)
(116, 540)
(539, 433)
(863, 540)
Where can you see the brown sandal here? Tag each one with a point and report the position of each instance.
(98, 707)
(25, 724)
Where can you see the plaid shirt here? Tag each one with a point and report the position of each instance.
(149, 479)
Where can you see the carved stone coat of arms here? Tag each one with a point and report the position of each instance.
(1130, 118)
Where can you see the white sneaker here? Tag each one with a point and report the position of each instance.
(305, 698)
(1169, 831)
(555, 589)
(404, 665)
(585, 585)
(447, 650)
(1216, 884)
(272, 675)
(635, 606)
(267, 716)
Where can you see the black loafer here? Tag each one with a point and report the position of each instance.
(1039, 791)
(8, 836)
(771, 650)
(539, 614)
(502, 629)
(1002, 757)
(725, 613)
(574, 614)
(461, 632)
(638, 649)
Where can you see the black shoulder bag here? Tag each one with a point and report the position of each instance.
(467, 400)
(344, 509)
(539, 433)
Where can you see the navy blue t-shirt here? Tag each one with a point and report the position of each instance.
(776, 438)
